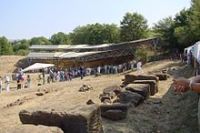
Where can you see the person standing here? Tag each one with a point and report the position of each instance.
(98, 70)
(51, 75)
(43, 76)
(7, 81)
(1, 84)
(139, 67)
(81, 72)
(28, 81)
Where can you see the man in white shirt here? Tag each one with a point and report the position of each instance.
(7, 80)
(139, 67)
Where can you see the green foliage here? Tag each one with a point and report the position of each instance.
(22, 52)
(95, 34)
(39, 41)
(164, 29)
(141, 54)
(5, 47)
(133, 27)
(194, 19)
(183, 30)
(21, 47)
(60, 38)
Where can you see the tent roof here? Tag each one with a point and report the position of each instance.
(196, 50)
(37, 66)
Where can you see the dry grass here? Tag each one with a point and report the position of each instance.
(147, 118)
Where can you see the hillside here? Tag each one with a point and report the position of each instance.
(165, 112)
(9, 63)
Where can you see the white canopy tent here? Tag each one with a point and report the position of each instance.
(188, 49)
(37, 66)
(196, 50)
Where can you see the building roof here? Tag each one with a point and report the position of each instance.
(87, 52)
(65, 55)
(85, 46)
(68, 47)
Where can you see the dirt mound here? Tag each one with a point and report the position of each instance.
(8, 64)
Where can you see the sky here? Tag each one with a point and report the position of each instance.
(24, 19)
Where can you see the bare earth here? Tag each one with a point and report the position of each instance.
(166, 112)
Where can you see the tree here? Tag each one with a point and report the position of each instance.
(5, 47)
(60, 38)
(177, 32)
(195, 19)
(164, 29)
(79, 35)
(141, 54)
(95, 34)
(111, 33)
(182, 30)
(133, 27)
(39, 41)
(21, 47)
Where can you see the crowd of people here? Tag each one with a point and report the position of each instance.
(54, 74)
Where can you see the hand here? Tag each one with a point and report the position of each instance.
(181, 85)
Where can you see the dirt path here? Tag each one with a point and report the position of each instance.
(165, 112)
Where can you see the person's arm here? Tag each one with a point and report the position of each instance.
(195, 84)
(195, 87)
(183, 85)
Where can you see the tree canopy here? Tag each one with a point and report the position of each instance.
(5, 47)
(194, 19)
(164, 29)
(39, 41)
(60, 38)
(181, 31)
(21, 47)
(133, 27)
(95, 34)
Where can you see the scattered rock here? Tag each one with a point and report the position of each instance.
(142, 89)
(89, 102)
(131, 78)
(85, 88)
(103, 98)
(152, 83)
(116, 101)
(110, 91)
(18, 102)
(114, 112)
(164, 71)
(123, 107)
(114, 115)
(162, 76)
(39, 93)
(127, 97)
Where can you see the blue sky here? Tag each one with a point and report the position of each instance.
(31, 18)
